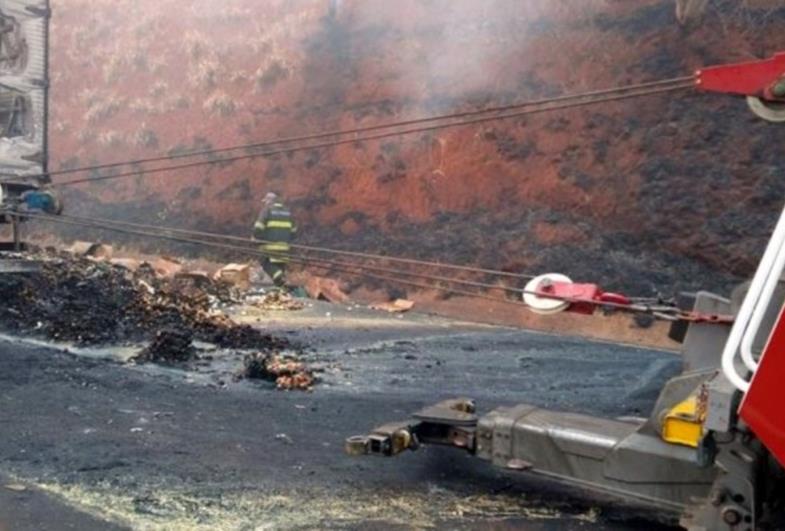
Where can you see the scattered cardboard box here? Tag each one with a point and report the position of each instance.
(396, 306)
(128, 263)
(238, 275)
(166, 267)
(99, 251)
(325, 289)
(197, 277)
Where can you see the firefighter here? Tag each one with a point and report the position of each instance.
(274, 228)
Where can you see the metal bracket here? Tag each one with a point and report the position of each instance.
(732, 501)
(763, 82)
(763, 79)
(449, 423)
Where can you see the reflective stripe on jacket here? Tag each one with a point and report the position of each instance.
(275, 228)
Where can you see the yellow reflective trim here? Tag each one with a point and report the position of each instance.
(259, 225)
(279, 224)
(276, 247)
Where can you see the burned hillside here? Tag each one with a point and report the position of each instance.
(583, 191)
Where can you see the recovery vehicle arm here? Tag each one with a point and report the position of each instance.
(713, 448)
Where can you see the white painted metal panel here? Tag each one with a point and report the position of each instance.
(26, 155)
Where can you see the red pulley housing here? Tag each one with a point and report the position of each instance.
(583, 298)
(762, 79)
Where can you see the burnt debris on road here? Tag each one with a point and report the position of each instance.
(92, 302)
(287, 372)
(169, 346)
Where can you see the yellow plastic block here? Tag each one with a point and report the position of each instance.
(684, 423)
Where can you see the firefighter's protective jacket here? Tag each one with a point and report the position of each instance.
(275, 229)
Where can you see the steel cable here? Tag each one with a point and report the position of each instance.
(305, 259)
(348, 268)
(335, 143)
(366, 129)
(367, 256)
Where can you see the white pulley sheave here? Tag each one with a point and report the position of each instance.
(545, 305)
(770, 111)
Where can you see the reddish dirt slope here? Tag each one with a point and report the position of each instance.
(653, 194)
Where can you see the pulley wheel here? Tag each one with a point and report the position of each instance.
(544, 305)
(769, 111)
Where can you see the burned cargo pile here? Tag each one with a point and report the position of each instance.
(288, 373)
(168, 347)
(92, 302)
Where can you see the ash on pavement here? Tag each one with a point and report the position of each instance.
(159, 448)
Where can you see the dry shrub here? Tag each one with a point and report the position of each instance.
(58, 126)
(205, 74)
(111, 139)
(178, 103)
(196, 45)
(114, 67)
(220, 103)
(85, 135)
(139, 60)
(88, 97)
(158, 89)
(102, 110)
(268, 76)
(238, 76)
(146, 137)
(147, 106)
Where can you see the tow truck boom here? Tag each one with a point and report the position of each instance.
(713, 448)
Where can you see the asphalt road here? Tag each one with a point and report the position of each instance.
(190, 448)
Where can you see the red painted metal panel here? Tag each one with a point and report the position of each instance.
(755, 78)
(763, 407)
(584, 298)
